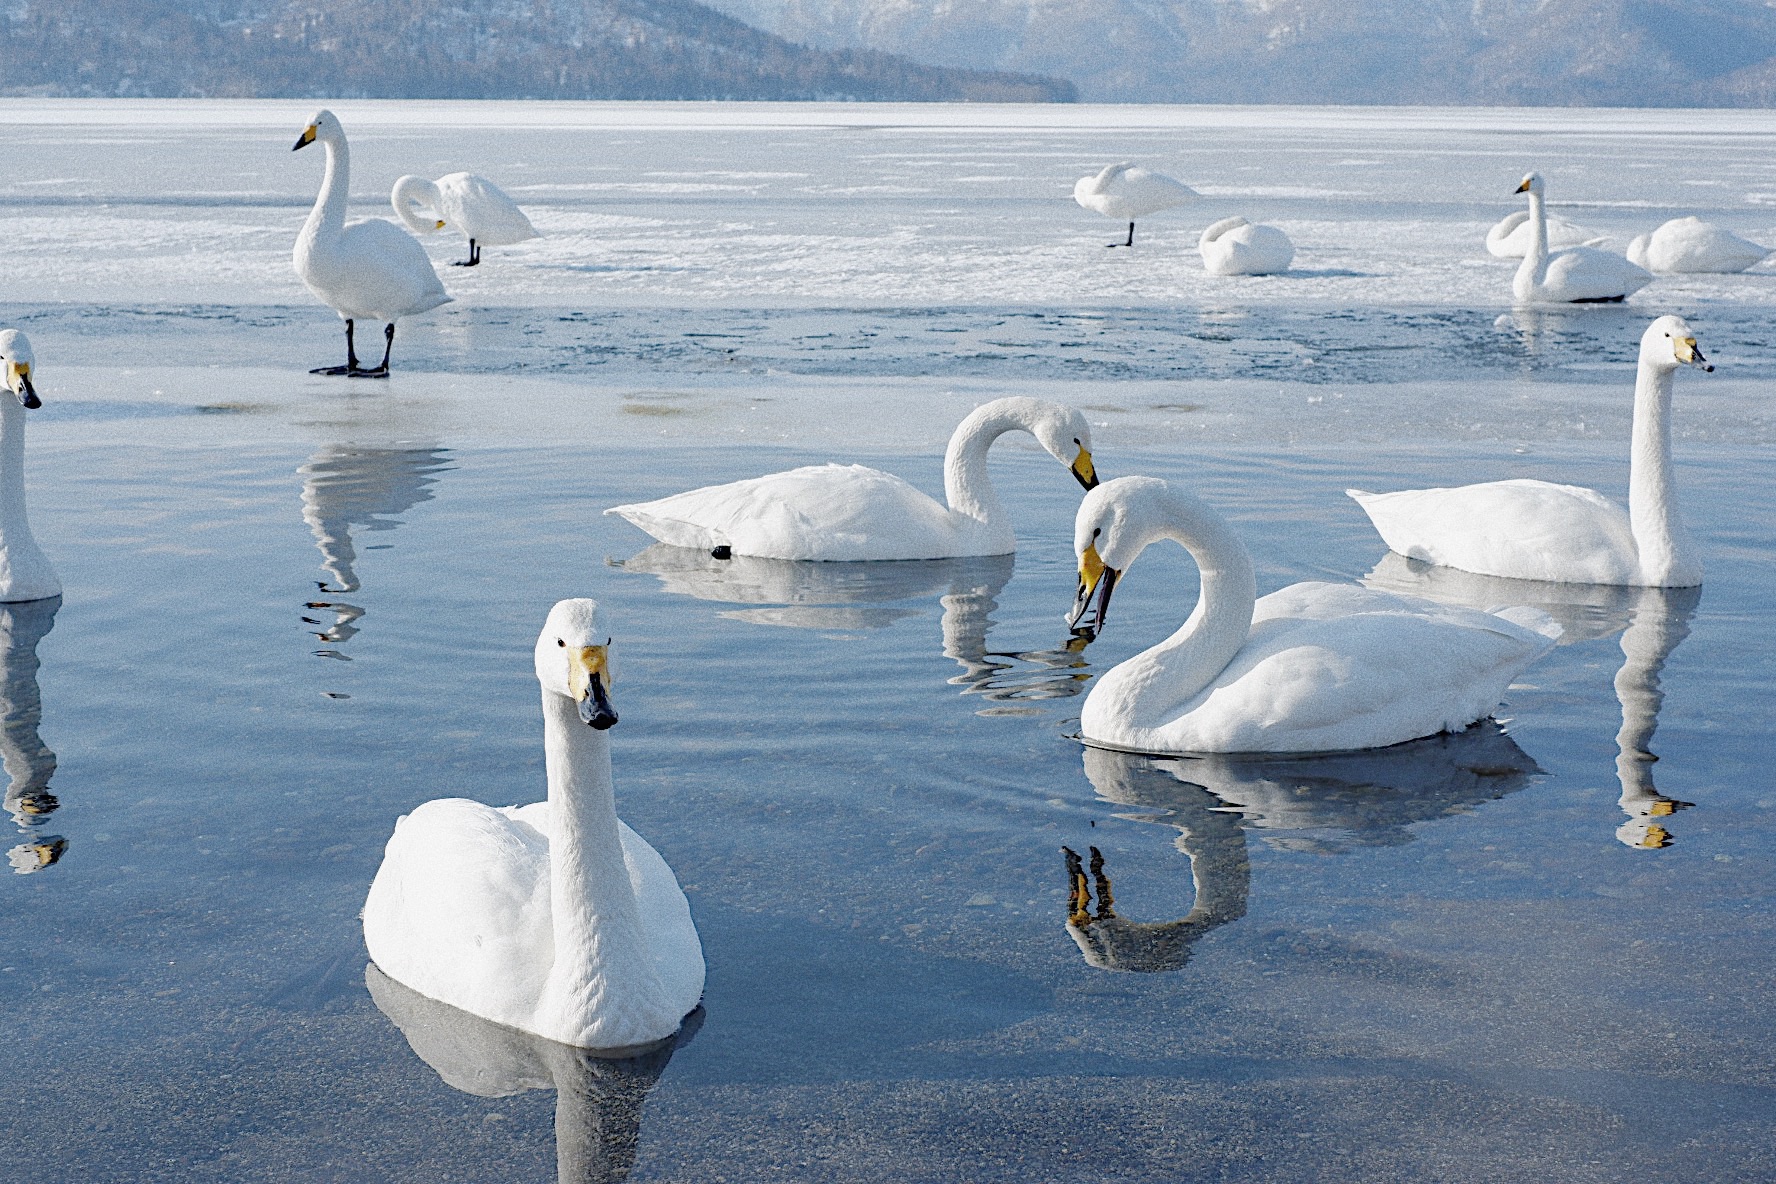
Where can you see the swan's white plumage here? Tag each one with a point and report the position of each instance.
(1537, 530)
(555, 917)
(1314, 667)
(1692, 245)
(25, 571)
(472, 205)
(1510, 237)
(1126, 192)
(1234, 246)
(1575, 275)
(842, 513)
(365, 270)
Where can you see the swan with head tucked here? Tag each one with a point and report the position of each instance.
(25, 571)
(1315, 667)
(1578, 275)
(474, 205)
(364, 270)
(1511, 237)
(554, 918)
(1692, 245)
(1537, 530)
(839, 513)
(1126, 192)
(1234, 246)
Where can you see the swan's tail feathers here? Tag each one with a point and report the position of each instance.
(674, 531)
(1534, 620)
(1361, 496)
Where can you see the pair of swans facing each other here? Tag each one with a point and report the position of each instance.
(1576, 275)
(847, 513)
(364, 270)
(473, 205)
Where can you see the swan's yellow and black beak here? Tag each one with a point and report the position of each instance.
(588, 678)
(440, 225)
(1687, 353)
(1083, 471)
(1523, 188)
(18, 381)
(305, 139)
(1087, 618)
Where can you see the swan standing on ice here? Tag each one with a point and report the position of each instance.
(840, 513)
(1314, 667)
(1125, 192)
(364, 270)
(1692, 245)
(25, 572)
(1536, 530)
(1234, 246)
(1511, 237)
(554, 918)
(474, 205)
(1578, 275)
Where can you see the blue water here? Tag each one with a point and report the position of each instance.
(1459, 974)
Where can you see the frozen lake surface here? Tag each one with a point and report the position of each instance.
(1443, 962)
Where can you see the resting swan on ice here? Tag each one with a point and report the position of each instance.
(554, 918)
(1234, 246)
(1126, 192)
(364, 270)
(1537, 530)
(1692, 245)
(1579, 275)
(840, 513)
(474, 205)
(1510, 238)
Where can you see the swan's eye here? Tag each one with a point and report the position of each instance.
(1096, 531)
(561, 643)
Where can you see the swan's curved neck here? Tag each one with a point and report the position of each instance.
(1535, 260)
(1665, 553)
(329, 207)
(600, 949)
(1154, 684)
(15, 530)
(967, 488)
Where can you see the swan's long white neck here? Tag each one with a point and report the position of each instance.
(15, 530)
(329, 208)
(1667, 557)
(591, 898)
(1148, 689)
(1535, 260)
(967, 488)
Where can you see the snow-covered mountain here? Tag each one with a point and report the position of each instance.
(1618, 52)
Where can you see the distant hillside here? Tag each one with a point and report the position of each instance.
(544, 49)
(1507, 52)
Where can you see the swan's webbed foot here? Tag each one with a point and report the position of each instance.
(474, 259)
(351, 356)
(382, 370)
(1131, 238)
(332, 370)
(1599, 300)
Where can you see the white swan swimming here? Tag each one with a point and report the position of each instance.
(1314, 667)
(25, 571)
(1578, 275)
(1537, 530)
(1126, 192)
(1234, 246)
(364, 270)
(1692, 245)
(840, 513)
(1510, 238)
(554, 918)
(474, 205)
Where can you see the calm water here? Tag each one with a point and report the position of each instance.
(1439, 964)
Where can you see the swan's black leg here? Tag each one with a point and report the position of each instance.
(351, 356)
(474, 259)
(1131, 238)
(388, 347)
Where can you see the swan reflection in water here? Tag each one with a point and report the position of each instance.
(1651, 621)
(28, 761)
(599, 1095)
(346, 486)
(1325, 803)
(852, 596)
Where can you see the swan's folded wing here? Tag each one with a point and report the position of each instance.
(1586, 273)
(461, 886)
(666, 919)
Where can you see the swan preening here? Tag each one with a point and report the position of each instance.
(1315, 667)
(1692, 245)
(1577, 275)
(364, 270)
(840, 513)
(1537, 530)
(1234, 246)
(474, 205)
(1512, 236)
(25, 571)
(1126, 192)
(554, 918)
